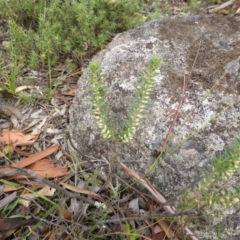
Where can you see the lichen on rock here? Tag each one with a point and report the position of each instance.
(210, 115)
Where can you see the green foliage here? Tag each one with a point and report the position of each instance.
(154, 9)
(131, 233)
(145, 89)
(9, 75)
(141, 99)
(211, 191)
(43, 30)
(26, 99)
(100, 108)
(193, 5)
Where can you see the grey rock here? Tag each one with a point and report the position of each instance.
(209, 118)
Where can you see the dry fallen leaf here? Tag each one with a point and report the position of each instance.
(52, 236)
(12, 223)
(80, 190)
(17, 138)
(64, 99)
(26, 199)
(11, 189)
(44, 168)
(70, 93)
(7, 233)
(21, 88)
(65, 213)
(31, 159)
(167, 229)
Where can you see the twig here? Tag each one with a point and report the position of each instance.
(78, 72)
(21, 171)
(180, 103)
(175, 116)
(8, 199)
(222, 6)
(150, 216)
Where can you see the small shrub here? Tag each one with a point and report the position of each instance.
(43, 30)
(211, 191)
(101, 109)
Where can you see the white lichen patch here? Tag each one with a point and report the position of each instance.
(128, 84)
(215, 142)
(159, 78)
(187, 107)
